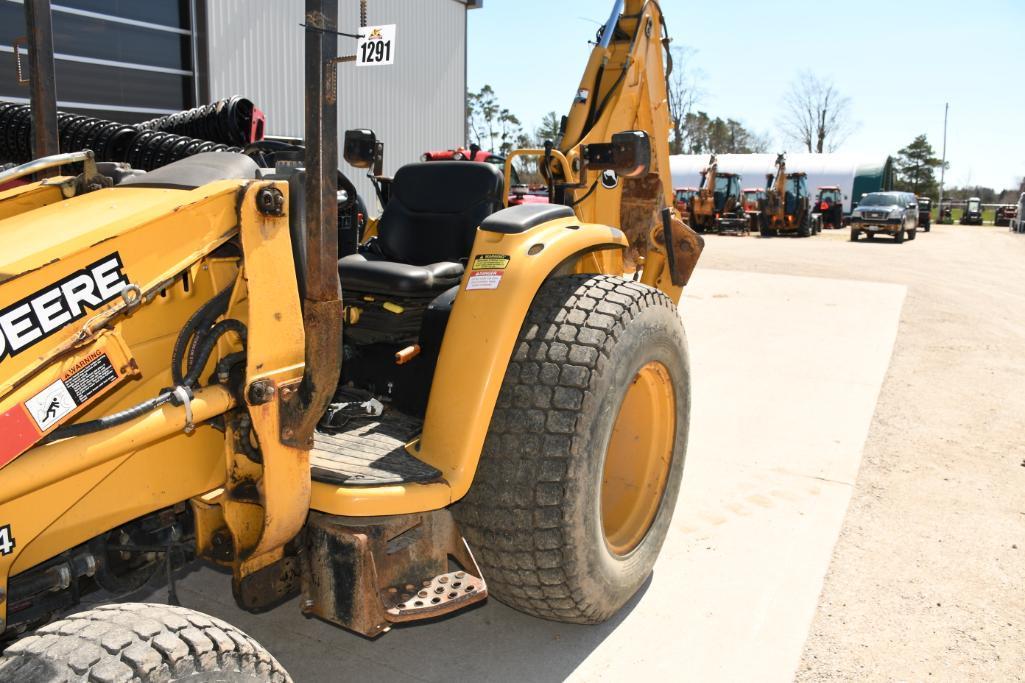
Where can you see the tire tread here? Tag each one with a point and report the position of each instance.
(139, 642)
(513, 515)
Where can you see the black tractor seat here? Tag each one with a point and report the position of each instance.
(427, 229)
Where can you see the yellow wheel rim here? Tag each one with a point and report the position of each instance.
(638, 459)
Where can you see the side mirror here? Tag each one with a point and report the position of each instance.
(362, 150)
(629, 154)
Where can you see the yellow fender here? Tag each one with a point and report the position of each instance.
(504, 273)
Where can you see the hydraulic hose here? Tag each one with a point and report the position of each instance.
(107, 421)
(206, 347)
(207, 313)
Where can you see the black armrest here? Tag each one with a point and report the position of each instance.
(521, 218)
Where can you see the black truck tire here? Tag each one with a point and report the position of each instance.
(854, 235)
(139, 642)
(535, 516)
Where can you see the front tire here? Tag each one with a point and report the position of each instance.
(581, 467)
(899, 235)
(139, 642)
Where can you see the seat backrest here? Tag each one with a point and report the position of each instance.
(434, 210)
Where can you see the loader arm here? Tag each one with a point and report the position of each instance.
(624, 88)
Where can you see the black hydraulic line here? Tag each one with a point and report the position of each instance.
(206, 347)
(190, 380)
(217, 304)
(107, 421)
(587, 194)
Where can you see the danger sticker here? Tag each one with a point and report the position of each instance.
(81, 382)
(490, 262)
(484, 279)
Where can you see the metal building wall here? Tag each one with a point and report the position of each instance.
(417, 104)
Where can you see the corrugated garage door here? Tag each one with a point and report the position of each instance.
(123, 60)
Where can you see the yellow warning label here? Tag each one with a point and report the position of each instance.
(490, 261)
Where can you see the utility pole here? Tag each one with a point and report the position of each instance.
(943, 164)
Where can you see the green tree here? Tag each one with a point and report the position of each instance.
(550, 129)
(915, 168)
(489, 124)
(705, 135)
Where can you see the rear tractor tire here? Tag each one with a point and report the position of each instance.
(581, 467)
(139, 642)
(805, 229)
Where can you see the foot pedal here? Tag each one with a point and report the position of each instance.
(440, 595)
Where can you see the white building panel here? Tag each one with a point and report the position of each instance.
(416, 104)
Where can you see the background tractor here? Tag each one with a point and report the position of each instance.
(717, 200)
(787, 205)
(925, 213)
(829, 206)
(972, 213)
(1004, 214)
(188, 370)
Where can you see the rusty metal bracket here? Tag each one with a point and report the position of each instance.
(366, 574)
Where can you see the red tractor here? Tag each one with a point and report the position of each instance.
(829, 206)
(519, 193)
(683, 197)
(474, 153)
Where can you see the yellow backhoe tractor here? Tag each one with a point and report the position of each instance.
(787, 206)
(478, 400)
(717, 207)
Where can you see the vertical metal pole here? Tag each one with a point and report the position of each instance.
(321, 150)
(322, 305)
(42, 86)
(943, 165)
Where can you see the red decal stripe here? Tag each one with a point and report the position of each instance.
(17, 433)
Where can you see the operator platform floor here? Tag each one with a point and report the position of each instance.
(786, 372)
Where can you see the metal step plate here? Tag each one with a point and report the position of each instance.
(370, 451)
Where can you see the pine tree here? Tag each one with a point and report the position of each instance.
(915, 166)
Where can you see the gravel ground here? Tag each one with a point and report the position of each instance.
(927, 580)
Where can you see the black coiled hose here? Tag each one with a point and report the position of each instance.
(144, 148)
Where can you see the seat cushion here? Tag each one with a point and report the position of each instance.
(371, 273)
(435, 208)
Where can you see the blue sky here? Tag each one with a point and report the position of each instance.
(898, 61)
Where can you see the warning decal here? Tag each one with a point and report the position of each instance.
(78, 384)
(484, 279)
(490, 262)
(90, 377)
(50, 405)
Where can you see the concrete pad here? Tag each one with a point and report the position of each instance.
(786, 371)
